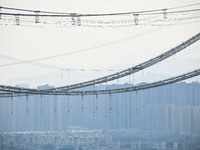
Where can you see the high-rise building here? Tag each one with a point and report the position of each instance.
(196, 120)
(176, 119)
(186, 119)
(169, 108)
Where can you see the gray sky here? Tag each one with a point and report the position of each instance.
(34, 42)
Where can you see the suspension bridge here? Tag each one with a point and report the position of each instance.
(166, 16)
(9, 91)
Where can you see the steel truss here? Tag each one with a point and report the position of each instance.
(12, 93)
(105, 79)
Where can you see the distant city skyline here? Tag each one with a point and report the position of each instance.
(164, 109)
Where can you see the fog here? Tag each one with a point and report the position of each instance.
(41, 51)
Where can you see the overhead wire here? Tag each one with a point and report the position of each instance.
(99, 23)
(36, 15)
(22, 61)
(124, 13)
(95, 15)
(78, 21)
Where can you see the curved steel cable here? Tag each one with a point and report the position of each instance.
(133, 69)
(109, 91)
(96, 15)
(111, 77)
(144, 11)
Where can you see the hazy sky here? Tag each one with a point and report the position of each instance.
(33, 42)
